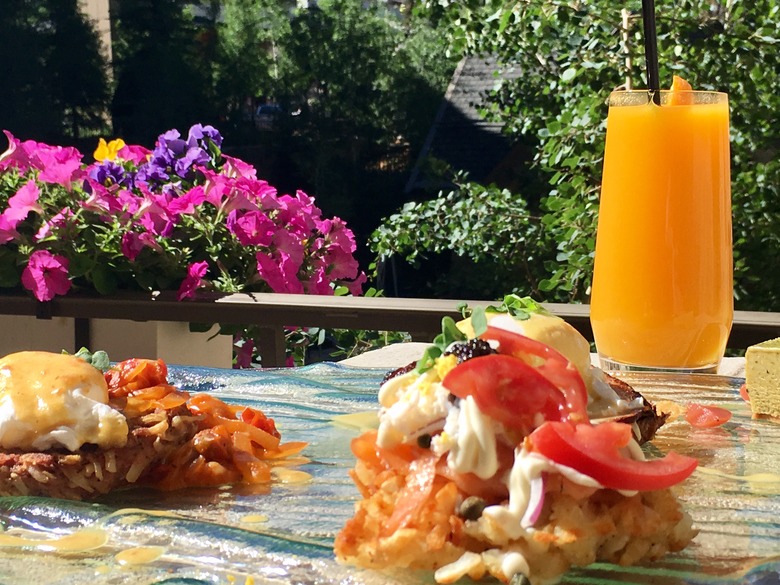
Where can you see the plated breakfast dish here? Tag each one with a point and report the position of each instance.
(70, 430)
(286, 529)
(503, 452)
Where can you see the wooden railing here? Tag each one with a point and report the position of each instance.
(421, 318)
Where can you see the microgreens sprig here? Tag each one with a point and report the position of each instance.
(98, 359)
(449, 334)
(520, 308)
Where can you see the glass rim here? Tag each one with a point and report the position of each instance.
(638, 97)
(668, 91)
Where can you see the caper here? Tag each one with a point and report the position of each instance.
(424, 441)
(471, 508)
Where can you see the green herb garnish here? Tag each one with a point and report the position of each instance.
(99, 359)
(449, 334)
(520, 308)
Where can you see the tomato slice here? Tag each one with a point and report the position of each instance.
(595, 450)
(550, 362)
(508, 390)
(705, 417)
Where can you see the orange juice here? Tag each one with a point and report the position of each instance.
(662, 294)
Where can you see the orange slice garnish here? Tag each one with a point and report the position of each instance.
(679, 95)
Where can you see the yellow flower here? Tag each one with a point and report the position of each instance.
(107, 151)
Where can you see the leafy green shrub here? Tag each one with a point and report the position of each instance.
(571, 56)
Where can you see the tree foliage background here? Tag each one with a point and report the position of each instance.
(54, 78)
(356, 83)
(358, 86)
(571, 55)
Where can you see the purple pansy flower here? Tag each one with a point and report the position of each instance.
(110, 173)
(200, 133)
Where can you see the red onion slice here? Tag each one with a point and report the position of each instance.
(535, 502)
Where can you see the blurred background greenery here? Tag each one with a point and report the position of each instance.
(341, 98)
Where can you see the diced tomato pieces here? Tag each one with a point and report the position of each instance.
(706, 416)
(134, 374)
(259, 420)
(595, 450)
(551, 364)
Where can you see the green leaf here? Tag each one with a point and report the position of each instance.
(569, 74)
(479, 321)
(99, 359)
(104, 279)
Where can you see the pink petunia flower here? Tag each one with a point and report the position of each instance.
(8, 158)
(298, 213)
(22, 203)
(355, 286)
(134, 153)
(341, 264)
(195, 274)
(292, 245)
(319, 283)
(19, 154)
(56, 223)
(133, 243)
(244, 348)
(235, 167)
(251, 228)
(279, 272)
(187, 203)
(59, 165)
(154, 215)
(7, 230)
(46, 275)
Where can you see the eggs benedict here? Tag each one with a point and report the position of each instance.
(71, 430)
(50, 400)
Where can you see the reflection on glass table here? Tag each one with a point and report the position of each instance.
(283, 533)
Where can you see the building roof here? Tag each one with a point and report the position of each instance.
(459, 135)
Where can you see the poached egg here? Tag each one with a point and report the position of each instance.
(50, 400)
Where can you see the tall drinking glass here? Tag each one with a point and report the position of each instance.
(662, 295)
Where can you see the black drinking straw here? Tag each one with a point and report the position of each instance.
(651, 49)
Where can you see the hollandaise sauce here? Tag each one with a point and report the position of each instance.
(55, 400)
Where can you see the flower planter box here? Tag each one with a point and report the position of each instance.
(121, 339)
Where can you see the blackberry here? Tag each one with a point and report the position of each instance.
(470, 349)
(397, 372)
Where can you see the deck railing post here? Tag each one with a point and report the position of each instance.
(271, 347)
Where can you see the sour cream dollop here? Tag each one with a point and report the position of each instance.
(50, 400)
